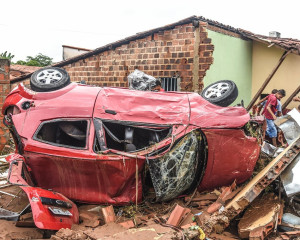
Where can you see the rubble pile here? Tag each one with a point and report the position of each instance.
(205, 215)
(258, 209)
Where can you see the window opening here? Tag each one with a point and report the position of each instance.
(128, 138)
(170, 84)
(263, 95)
(64, 133)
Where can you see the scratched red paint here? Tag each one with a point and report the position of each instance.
(85, 176)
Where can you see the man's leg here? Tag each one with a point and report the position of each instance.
(272, 131)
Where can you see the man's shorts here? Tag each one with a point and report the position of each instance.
(271, 128)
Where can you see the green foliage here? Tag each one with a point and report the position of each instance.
(7, 55)
(21, 62)
(39, 60)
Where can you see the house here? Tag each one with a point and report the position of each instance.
(20, 70)
(189, 55)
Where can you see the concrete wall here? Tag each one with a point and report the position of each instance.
(232, 61)
(287, 76)
(69, 52)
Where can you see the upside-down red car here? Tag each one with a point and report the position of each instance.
(105, 145)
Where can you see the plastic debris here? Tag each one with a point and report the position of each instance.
(138, 80)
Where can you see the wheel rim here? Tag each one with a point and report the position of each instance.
(49, 76)
(216, 90)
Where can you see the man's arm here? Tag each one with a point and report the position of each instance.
(262, 100)
(270, 111)
(296, 99)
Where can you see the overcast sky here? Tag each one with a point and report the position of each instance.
(29, 27)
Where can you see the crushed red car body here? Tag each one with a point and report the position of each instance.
(95, 145)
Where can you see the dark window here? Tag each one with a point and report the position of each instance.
(128, 138)
(263, 95)
(170, 84)
(69, 133)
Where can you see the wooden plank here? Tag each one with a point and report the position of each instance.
(257, 184)
(221, 219)
(267, 80)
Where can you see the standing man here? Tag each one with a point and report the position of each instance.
(261, 103)
(270, 114)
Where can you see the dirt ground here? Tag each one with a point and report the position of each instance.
(148, 221)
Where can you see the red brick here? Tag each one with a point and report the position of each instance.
(188, 225)
(178, 215)
(127, 224)
(107, 213)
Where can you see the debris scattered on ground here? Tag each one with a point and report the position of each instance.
(261, 217)
(200, 215)
(8, 230)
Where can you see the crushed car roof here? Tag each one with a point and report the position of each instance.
(120, 104)
(166, 108)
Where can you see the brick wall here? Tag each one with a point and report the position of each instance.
(184, 51)
(4, 90)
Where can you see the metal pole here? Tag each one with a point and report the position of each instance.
(267, 80)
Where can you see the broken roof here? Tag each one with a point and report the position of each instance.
(283, 43)
(20, 70)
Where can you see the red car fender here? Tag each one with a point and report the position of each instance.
(50, 210)
(231, 156)
(42, 216)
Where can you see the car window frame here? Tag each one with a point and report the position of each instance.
(35, 138)
(125, 123)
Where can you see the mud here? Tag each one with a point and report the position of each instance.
(8, 230)
(14, 203)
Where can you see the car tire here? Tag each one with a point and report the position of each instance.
(49, 79)
(221, 93)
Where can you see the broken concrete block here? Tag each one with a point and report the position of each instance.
(261, 217)
(178, 215)
(224, 196)
(107, 214)
(188, 219)
(89, 219)
(128, 224)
